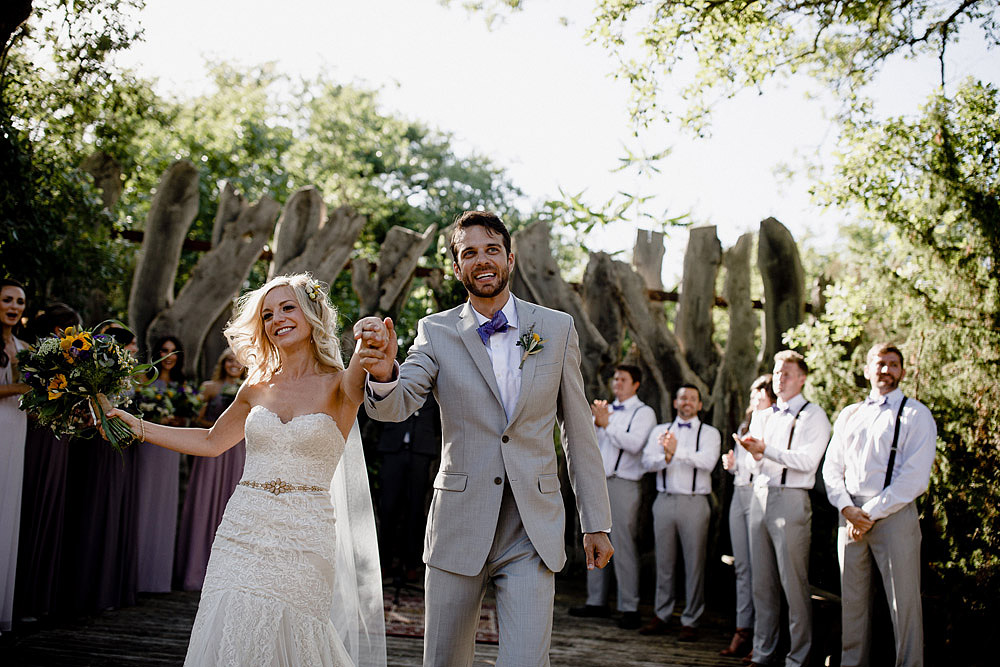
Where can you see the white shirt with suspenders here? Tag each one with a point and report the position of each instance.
(795, 436)
(690, 470)
(622, 440)
(870, 456)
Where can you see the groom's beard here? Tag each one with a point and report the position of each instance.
(503, 277)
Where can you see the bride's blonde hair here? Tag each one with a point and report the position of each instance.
(245, 331)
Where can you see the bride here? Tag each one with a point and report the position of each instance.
(293, 578)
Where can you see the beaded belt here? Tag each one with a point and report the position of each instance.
(279, 486)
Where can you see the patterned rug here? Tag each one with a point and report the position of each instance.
(406, 619)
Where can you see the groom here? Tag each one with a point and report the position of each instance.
(504, 371)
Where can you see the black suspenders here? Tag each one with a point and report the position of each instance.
(895, 443)
(697, 446)
(784, 471)
(627, 429)
(694, 473)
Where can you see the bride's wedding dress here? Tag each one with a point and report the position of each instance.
(276, 584)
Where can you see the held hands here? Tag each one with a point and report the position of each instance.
(600, 412)
(598, 548)
(669, 443)
(377, 346)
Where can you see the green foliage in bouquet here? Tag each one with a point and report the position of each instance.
(76, 372)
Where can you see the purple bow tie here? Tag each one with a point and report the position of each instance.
(683, 424)
(497, 324)
(617, 407)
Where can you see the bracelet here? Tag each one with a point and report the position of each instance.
(142, 430)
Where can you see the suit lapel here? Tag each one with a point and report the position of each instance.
(467, 326)
(527, 315)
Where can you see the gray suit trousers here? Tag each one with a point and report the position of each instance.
(739, 535)
(525, 589)
(684, 517)
(780, 529)
(892, 547)
(625, 496)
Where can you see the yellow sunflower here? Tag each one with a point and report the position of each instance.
(74, 342)
(56, 384)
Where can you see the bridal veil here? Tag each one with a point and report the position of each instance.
(357, 611)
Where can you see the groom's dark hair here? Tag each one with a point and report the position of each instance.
(485, 219)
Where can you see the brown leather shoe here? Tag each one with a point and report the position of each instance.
(656, 626)
(687, 634)
(741, 643)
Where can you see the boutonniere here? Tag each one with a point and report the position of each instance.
(531, 342)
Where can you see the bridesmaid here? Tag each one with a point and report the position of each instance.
(212, 481)
(13, 426)
(158, 480)
(43, 499)
(739, 463)
(99, 567)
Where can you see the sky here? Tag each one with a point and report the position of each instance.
(540, 101)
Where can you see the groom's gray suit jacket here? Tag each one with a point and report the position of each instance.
(481, 449)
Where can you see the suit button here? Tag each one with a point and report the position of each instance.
(506, 438)
(497, 481)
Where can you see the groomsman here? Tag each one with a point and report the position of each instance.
(878, 464)
(683, 454)
(791, 446)
(622, 428)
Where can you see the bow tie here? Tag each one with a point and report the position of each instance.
(683, 424)
(617, 407)
(496, 324)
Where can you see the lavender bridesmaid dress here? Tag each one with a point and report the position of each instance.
(13, 426)
(157, 497)
(210, 486)
(43, 508)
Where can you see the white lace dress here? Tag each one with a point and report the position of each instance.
(270, 580)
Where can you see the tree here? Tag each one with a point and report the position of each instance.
(56, 230)
(731, 46)
(257, 129)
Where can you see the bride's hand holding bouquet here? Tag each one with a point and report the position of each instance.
(78, 372)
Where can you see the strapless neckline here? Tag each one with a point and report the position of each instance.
(302, 416)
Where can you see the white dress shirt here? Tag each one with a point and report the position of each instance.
(693, 460)
(859, 454)
(503, 352)
(802, 456)
(622, 440)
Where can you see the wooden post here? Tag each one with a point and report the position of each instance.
(694, 325)
(536, 278)
(784, 285)
(174, 208)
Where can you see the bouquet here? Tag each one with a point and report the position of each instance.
(154, 403)
(187, 402)
(176, 399)
(76, 373)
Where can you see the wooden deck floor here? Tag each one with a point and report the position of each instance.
(155, 633)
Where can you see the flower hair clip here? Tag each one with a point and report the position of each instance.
(314, 291)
